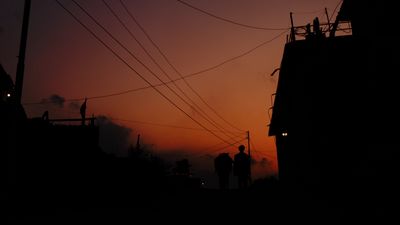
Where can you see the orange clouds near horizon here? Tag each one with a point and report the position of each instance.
(64, 59)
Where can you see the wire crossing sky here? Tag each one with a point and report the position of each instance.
(192, 103)
(228, 20)
(135, 71)
(210, 60)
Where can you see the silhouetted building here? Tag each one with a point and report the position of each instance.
(44, 155)
(61, 155)
(182, 177)
(336, 114)
(6, 86)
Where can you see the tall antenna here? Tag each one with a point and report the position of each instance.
(19, 79)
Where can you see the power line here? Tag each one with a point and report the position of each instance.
(167, 82)
(243, 136)
(308, 12)
(96, 97)
(226, 146)
(220, 149)
(143, 64)
(136, 72)
(197, 108)
(174, 80)
(161, 125)
(238, 56)
(139, 61)
(265, 154)
(227, 20)
(173, 67)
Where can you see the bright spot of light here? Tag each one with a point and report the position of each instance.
(8, 95)
(284, 134)
(202, 182)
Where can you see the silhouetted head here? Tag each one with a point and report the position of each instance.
(241, 148)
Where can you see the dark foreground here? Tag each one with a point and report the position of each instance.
(271, 204)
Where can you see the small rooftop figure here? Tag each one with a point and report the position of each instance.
(316, 28)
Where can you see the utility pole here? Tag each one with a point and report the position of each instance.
(249, 152)
(14, 123)
(19, 79)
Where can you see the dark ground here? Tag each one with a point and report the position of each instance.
(270, 204)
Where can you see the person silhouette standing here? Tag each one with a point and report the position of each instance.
(241, 167)
(223, 168)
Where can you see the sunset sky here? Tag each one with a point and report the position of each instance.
(64, 59)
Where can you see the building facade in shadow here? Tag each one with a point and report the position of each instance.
(335, 114)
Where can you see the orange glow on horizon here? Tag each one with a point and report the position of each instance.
(64, 59)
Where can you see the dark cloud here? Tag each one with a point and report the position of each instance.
(55, 99)
(114, 138)
(75, 105)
